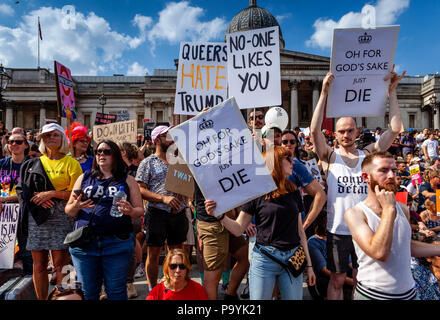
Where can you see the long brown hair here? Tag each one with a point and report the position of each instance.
(274, 161)
(167, 261)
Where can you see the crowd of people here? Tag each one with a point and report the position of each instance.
(347, 237)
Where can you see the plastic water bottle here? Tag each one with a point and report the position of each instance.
(114, 212)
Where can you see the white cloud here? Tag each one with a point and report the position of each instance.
(282, 17)
(6, 10)
(179, 21)
(91, 47)
(137, 70)
(387, 12)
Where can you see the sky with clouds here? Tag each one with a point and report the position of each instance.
(134, 37)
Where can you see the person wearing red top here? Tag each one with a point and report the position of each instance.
(176, 284)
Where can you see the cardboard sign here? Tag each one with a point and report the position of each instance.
(123, 115)
(437, 201)
(103, 118)
(254, 76)
(119, 132)
(8, 233)
(313, 168)
(223, 157)
(180, 180)
(201, 77)
(402, 197)
(65, 95)
(361, 59)
(414, 171)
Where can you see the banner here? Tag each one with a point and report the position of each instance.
(254, 76)
(361, 59)
(201, 77)
(414, 171)
(180, 180)
(103, 118)
(65, 95)
(223, 157)
(8, 233)
(119, 132)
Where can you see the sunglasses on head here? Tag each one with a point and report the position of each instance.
(17, 142)
(106, 152)
(174, 266)
(287, 141)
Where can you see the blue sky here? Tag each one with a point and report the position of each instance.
(133, 37)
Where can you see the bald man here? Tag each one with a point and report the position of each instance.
(343, 173)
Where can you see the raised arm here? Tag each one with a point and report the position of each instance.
(385, 141)
(322, 149)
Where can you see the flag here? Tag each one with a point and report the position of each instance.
(39, 29)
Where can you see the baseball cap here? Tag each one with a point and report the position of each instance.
(51, 127)
(158, 131)
(379, 128)
(366, 131)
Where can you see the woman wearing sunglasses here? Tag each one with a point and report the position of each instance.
(43, 190)
(176, 284)
(107, 257)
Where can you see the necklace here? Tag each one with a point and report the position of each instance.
(81, 157)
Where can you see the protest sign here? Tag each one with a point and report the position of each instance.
(201, 77)
(123, 115)
(8, 233)
(361, 59)
(223, 157)
(103, 118)
(148, 128)
(254, 77)
(414, 171)
(402, 197)
(119, 132)
(305, 131)
(65, 95)
(180, 180)
(312, 167)
(437, 201)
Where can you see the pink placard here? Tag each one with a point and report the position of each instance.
(65, 90)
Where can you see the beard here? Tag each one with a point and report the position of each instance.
(164, 146)
(388, 185)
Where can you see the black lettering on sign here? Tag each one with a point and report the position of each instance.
(238, 178)
(252, 81)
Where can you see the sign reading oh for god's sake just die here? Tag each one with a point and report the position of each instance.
(223, 157)
(361, 59)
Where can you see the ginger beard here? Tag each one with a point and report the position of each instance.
(388, 185)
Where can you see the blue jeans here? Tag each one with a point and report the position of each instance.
(264, 272)
(107, 258)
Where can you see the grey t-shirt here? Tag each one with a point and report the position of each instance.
(153, 171)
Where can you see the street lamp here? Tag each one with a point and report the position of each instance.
(102, 102)
(4, 80)
(433, 101)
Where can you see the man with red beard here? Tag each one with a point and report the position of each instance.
(382, 236)
(342, 168)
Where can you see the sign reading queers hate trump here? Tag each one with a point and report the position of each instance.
(118, 132)
(8, 234)
(254, 76)
(223, 157)
(361, 59)
(201, 77)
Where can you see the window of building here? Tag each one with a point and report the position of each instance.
(87, 120)
(37, 121)
(412, 120)
(159, 116)
(140, 121)
(387, 119)
(364, 122)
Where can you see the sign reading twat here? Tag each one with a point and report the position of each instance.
(118, 132)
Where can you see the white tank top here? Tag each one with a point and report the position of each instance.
(346, 188)
(392, 277)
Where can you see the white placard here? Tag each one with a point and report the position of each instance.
(8, 233)
(223, 157)
(201, 77)
(254, 76)
(361, 59)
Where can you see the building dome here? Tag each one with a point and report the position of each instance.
(252, 18)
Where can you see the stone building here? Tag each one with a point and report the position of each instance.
(31, 95)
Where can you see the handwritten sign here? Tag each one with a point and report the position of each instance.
(119, 132)
(103, 118)
(8, 233)
(180, 180)
(361, 59)
(201, 77)
(437, 201)
(123, 115)
(65, 95)
(223, 157)
(414, 171)
(254, 77)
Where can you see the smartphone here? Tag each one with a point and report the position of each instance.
(81, 193)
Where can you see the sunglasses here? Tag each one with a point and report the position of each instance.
(17, 142)
(260, 117)
(174, 266)
(106, 152)
(287, 141)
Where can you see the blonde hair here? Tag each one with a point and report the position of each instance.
(166, 265)
(64, 148)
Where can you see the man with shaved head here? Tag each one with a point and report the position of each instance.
(344, 180)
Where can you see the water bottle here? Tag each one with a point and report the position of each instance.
(114, 212)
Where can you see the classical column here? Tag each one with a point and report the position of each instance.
(436, 118)
(294, 103)
(148, 113)
(315, 84)
(20, 118)
(170, 107)
(42, 114)
(9, 117)
(93, 117)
